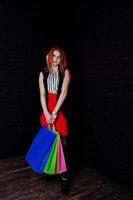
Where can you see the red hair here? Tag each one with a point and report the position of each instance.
(63, 62)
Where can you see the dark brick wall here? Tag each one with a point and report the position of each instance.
(16, 78)
(98, 41)
(105, 83)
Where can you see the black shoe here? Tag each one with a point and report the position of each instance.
(65, 184)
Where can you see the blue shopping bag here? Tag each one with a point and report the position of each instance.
(40, 149)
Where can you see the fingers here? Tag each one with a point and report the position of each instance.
(53, 120)
(50, 120)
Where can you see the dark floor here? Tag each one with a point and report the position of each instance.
(19, 182)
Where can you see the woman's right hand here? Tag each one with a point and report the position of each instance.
(49, 118)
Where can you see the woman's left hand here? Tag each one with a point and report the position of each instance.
(54, 116)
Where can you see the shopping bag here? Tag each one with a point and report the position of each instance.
(50, 167)
(61, 162)
(40, 149)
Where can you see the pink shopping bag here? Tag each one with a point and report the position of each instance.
(61, 163)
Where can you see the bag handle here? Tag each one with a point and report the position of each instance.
(51, 127)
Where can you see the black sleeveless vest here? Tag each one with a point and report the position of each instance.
(64, 107)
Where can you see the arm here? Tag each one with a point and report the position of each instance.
(64, 91)
(43, 99)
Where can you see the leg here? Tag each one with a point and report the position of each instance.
(65, 176)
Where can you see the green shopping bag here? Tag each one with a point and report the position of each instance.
(50, 167)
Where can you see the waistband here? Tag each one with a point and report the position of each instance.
(50, 93)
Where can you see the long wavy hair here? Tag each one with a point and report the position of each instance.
(49, 58)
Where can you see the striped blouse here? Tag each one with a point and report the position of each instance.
(53, 82)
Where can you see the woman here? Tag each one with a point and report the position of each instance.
(54, 82)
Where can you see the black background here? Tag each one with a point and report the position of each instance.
(97, 39)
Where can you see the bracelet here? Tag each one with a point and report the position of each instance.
(54, 113)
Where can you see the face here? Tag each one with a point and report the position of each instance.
(56, 58)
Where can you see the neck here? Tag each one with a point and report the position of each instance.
(54, 68)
